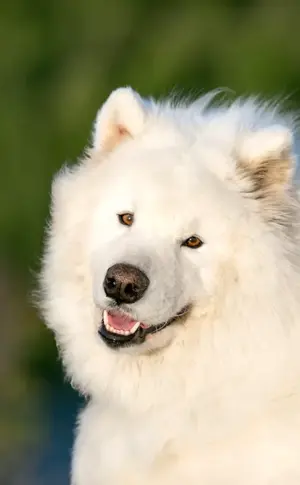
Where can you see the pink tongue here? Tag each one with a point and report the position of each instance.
(120, 322)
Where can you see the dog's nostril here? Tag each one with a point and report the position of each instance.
(130, 289)
(111, 283)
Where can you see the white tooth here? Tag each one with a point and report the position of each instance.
(114, 330)
(135, 327)
(105, 317)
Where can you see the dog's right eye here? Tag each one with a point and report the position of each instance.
(126, 219)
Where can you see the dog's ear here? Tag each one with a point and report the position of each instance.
(265, 160)
(122, 116)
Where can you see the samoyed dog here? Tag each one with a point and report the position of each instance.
(171, 279)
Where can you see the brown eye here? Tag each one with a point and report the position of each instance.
(193, 242)
(126, 219)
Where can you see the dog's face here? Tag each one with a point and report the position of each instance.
(157, 237)
(151, 228)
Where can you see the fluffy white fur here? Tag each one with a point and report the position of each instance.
(213, 399)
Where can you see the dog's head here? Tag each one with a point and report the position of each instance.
(171, 214)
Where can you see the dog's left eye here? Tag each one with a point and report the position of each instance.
(193, 242)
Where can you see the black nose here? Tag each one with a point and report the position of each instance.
(125, 283)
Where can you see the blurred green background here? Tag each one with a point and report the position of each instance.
(59, 61)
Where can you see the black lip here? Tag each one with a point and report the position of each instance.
(114, 340)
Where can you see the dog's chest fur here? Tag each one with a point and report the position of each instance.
(115, 448)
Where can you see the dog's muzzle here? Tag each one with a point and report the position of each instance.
(120, 330)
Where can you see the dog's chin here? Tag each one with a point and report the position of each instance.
(120, 331)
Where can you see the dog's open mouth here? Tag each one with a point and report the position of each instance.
(119, 330)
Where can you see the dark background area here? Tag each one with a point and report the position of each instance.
(59, 60)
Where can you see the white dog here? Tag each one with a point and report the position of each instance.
(171, 279)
